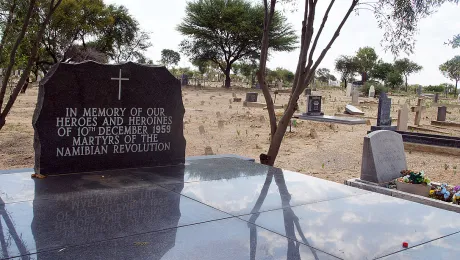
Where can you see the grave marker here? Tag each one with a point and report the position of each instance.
(314, 106)
(349, 89)
(355, 98)
(307, 91)
(419, 91)
(372, 91)
(418, 111)
(383, 157)
(403, 118)
(383, 115)
(201, 129)
(436, 97)
(251, 96)
(442, 111)
(88, 120)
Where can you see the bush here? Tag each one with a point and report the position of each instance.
(431, 88)
(377, 85)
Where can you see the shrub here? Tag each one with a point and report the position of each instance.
(431, 88)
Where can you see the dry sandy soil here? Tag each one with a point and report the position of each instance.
(334, 155)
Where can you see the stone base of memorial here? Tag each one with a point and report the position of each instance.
(374, 187)
(381, 127)
(417, 189)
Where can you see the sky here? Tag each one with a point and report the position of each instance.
(160, 18)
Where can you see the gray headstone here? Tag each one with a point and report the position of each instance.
(251, 96)
(442, 111)
(403, 118)
(307, 91)
(314, 106)
(93, 117)
(436, 97)
(355, 97)
(384, 110)
(419, 91)
(383, 157)
(372, 91)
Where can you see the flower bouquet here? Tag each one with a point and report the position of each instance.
(414, 182)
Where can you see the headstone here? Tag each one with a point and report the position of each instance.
(384, 110)
(93, 117)
(313, 133)
(280, 84)
(307, 91)
(458, 98)
(352, 110)
(418, 112)
(251, 96)
(220, 124)
(39, 78)
(436, 97)
(355, 98)
(383, 157)
(442, 111)
(349, 89)
(314, 106)
(184, 80)
(236, 99)
(419, 91)
(403, 118)
(208, 150)
(372, 91)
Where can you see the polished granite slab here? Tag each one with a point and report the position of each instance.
(202, 210)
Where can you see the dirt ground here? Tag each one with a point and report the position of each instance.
(334, 155)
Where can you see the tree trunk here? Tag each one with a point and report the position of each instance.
(406, 83)
(12, 60)
(24, 87)
(455, 91)
(30, 62)
(364, 77)
(345, 83)
(227, 76)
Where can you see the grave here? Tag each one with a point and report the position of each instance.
(307, 91)
(251, 96)
(349, 89)
(383, 157)
(355, 98)
(436, 98)
(133, 118)
(403, 118)
(314, 106)
(352, 110)
(383, 116)
(372, 91)
(204, 207)
(442, 111)
(418, 111)
(419, 91)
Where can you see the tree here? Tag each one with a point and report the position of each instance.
(366, 59)
(324, 75)
(407, 67)
(381, 70)
(347, 67)
(46, 9)
(169, 57)
(451, 70)
(394, 79)
(225, 31)
(399, 18)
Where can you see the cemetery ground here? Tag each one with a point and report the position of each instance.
(325, 150)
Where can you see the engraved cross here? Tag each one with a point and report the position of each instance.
(119, 84)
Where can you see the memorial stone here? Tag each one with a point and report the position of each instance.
(383, 157)
(384, 112)
(372, 91)
(314, 106)
(184, 80)
(436, 97)
(419, 91)
(307, 91)
(93, 117)
(355, 98)
(251, 96)
(442, 111)
(403, 118)
(418, 112)
(349, 89)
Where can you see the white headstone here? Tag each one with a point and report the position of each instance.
(383, 157)
(280, 84)
(355, 97)
(352, 110)
(372, 91)
(349, 89)
(39, 78)
(403, 118)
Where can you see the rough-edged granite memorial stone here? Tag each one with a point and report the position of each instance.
(93, 117)
(442, 111)
(383, 116)
(314, 106)
(251, 96)
(383, 156)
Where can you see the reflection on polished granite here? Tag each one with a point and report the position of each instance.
(202, 210)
